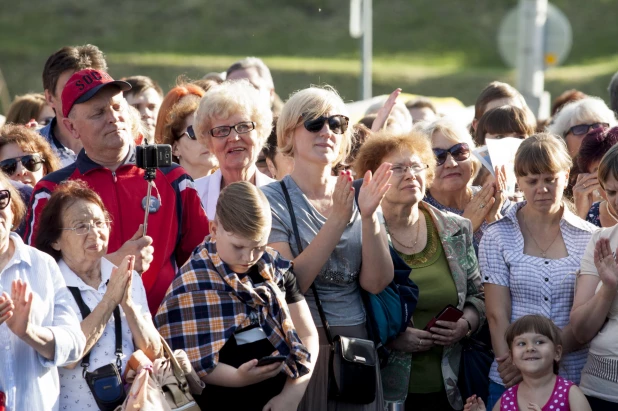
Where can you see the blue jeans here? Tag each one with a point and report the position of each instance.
(495, 392)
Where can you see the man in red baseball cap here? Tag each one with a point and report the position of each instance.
(96, 113)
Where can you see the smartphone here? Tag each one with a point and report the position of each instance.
(449, 313)
(270, 360)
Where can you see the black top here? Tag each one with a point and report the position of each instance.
(251, 397)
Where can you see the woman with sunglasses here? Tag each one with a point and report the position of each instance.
(24, 155)
(74, 230)
(335, 236)
(529, 259)
(232, 122)
(38, 329)
(579, 117)
(456, 168)
(438, 247)
(175, 127)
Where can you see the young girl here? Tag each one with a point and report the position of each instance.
(235, 305)
(536, 347)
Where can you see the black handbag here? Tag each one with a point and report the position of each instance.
(352, 364)
(105, 382)
(476, 360)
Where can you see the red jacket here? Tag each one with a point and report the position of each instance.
(176, 228)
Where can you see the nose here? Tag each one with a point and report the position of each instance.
(450, 161)
(20, 170)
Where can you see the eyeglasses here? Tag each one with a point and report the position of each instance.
(338, 124)
(581, 129)
(400, 170)
(459, 152)
(240, 128)
(84, 228)
(189, 132)
(31, 162)
(5, 199)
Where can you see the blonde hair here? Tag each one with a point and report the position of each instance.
(455, 133)
(306, 104)
(243, 209)
(231, 98)
(542, 153)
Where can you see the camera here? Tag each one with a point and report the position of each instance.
(153, 156)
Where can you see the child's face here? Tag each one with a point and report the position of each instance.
(534, 354)
(237, 252)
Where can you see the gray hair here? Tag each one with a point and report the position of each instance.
(586, 110)
(613, 92)
(257, 64)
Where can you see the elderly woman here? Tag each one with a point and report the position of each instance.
(38, 328)
(528, 258)
(451, 188)
(439, 248)
(336, 238)
(594, 316)
(24, 155)
(233, 122)
(74, 229)
(577, 118)
(176, 129)
(591, 201)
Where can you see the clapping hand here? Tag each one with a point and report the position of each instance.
(373, 189)
(605, 262)
(119, 282)
(343, 198)
(480, 205)
(6, 307)
(494, 213)
(21, 297)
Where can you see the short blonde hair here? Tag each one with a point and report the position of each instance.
(542, 153)
(243, 210)
(311, 103)
(231, 98)
(455, 133)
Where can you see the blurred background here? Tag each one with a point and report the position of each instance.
(428, 47)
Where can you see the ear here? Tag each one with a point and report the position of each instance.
(68, 123)
(558, 354)
(212, 227)
(475, 124)
(175, 150)
(271, 167)
(55, 246)
(49, 97)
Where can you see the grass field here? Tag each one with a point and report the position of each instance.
(430, 47)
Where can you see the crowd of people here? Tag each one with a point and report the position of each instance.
(295, 255)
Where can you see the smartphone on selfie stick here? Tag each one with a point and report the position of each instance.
(149, 157)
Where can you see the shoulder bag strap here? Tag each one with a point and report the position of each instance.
(300, 250)
(83, 308)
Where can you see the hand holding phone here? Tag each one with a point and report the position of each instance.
(271, 360)
(449, 313)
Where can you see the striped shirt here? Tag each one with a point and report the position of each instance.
(537, 285)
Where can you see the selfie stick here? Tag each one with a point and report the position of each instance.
(149, 175)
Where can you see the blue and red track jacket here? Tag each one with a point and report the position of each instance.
(176, 228)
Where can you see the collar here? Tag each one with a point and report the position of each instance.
(214, 188)
(85, 164)
(73, 280)
(446, 226)
(567, 217)
(21, 254)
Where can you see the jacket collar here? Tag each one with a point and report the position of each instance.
(85, 164)
(447, 227)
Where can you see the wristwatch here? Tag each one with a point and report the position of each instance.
(469, 333)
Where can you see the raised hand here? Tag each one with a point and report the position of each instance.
(385, 111)
(494, 213)
(6, 307)
(140, 246)
(343, 198)
(479, 206)
(605, 262)
(118, 283)
(583, 192)
(22, 298)
(373, 189)
(126, 268)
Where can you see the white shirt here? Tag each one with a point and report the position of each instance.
(74, 392)
(209, 187)
(29, 380)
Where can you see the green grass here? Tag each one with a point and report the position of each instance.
(430, 47)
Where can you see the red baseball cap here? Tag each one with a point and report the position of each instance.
(84, 84)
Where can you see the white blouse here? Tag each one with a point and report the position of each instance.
(74, 392)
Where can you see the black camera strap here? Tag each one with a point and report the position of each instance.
(288, 200)
(83, 308)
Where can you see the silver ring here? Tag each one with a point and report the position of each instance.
(482, 205)
(584, 185)
(420, 341)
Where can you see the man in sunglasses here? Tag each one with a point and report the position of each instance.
(95, 112)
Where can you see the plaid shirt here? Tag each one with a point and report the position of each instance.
(207, 303)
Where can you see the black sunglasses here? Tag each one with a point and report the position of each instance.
(5, 199)
(459, 152)
(189, 132)
(581, 129)
(338, 124)
(31, 162)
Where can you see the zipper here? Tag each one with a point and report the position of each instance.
(114, 176)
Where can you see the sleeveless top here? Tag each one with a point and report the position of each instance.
(558, 401)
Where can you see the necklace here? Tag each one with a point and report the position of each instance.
(418, 230)
(610, 212)
(543, 252)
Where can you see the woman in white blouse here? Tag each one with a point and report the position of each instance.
(234, 123)
(75, 229)
(38, 329)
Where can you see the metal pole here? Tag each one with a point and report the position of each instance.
(366, 50)
(530, 54)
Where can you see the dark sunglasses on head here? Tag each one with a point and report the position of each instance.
(338, 124)
(31, 162)
(189, 132)
(459, 152)
(581, 129)
(5, 199)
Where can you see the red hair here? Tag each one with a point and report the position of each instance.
(170, 100)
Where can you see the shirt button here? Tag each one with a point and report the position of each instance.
(546, 279)
(487, 277)
(546, 298)
(546, 262)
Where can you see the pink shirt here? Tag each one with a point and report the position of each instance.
(558, 401)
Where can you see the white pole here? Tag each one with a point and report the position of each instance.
(530, 55)
(367, 50)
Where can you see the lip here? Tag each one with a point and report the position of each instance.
(325, 145)
(410, 187)
(233, 150)
(451, 175)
